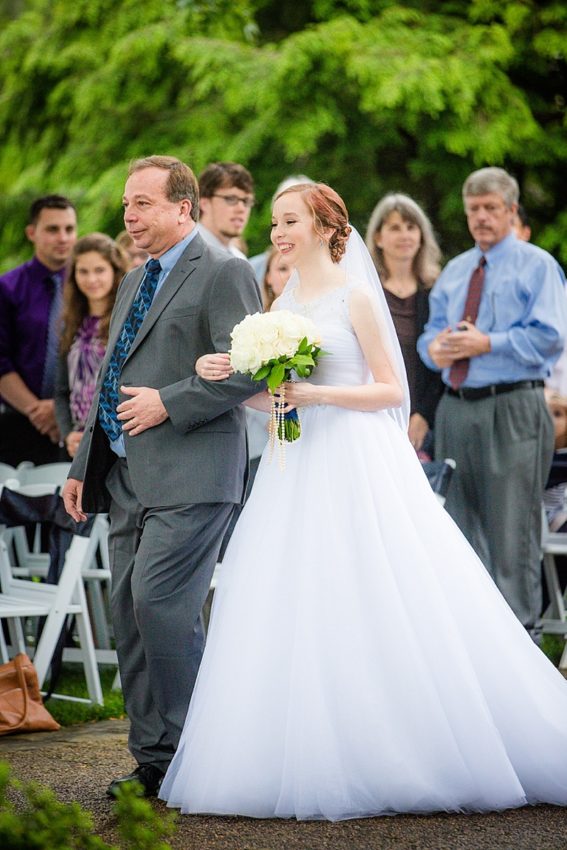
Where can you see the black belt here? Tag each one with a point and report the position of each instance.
(475, 393)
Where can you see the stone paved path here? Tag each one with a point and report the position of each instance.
(78, 762)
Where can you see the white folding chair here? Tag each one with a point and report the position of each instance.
(45, 473)
(21, 599)
(554, 620)
(8, 473)
(95, 571)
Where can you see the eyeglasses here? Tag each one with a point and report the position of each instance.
(233, 200)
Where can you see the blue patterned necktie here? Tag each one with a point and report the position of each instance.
(109, 399)
(52, 346)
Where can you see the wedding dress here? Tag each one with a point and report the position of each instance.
(360, 661)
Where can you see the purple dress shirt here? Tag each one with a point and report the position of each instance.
(26, 293)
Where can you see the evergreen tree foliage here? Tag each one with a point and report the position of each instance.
(368, 95)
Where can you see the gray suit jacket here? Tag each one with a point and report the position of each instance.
(199, 453)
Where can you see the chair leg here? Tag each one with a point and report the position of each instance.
(98, 613)
(44, 651)
(556, 602)
(88, 652)
(3, 648)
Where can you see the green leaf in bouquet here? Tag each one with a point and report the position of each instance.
(262, 373)
(276, 376)
(303, 360)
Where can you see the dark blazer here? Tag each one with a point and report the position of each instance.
(199, 454)
(61, 397)
(428, 384)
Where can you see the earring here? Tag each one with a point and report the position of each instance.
(320, 243)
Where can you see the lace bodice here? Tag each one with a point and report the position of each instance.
(344, 362)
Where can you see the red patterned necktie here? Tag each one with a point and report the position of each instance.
(460, 368)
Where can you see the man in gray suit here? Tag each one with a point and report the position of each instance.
(164, 452)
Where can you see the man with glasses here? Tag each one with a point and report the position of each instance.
(226, 191)
(497, 323)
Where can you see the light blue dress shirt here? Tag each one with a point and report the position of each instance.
(523, 310)
(167, 262)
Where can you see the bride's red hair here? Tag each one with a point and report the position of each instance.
(328, 210)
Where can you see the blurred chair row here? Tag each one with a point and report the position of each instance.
(554, 619)
(80, 596)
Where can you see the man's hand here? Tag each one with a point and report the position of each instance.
(72, 499)
(144, 410)
(468, 341)
(439, 349)
(42, 416)
(417, 431)
(450, 345)
(72, 441)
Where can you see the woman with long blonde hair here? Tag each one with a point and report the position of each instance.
(402, 244)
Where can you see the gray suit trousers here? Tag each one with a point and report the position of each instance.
(162, 562)
(503, 446)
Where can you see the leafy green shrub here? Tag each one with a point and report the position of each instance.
(42, 822)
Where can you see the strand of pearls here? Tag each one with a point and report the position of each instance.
(276, 428)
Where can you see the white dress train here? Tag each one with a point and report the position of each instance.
(360, 661)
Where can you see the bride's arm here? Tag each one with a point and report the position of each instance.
(385, 392)
(262, 401)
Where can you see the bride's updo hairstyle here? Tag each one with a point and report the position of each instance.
(328, 210)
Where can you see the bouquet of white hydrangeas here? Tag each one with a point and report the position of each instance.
(269, 347)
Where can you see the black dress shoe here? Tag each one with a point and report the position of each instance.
(147, 775)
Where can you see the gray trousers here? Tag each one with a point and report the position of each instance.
(162, 562)
(503, 447)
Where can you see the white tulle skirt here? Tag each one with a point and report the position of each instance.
(360, 660)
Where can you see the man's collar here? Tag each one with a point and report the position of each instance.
(41, 269)
(170, 257)
(499, 249)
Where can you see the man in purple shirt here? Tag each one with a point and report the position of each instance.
(30, 300)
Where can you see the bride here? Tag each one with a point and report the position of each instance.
(360, 661)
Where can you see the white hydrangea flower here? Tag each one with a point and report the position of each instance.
(262, 337)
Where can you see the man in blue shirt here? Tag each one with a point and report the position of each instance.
(497, 324)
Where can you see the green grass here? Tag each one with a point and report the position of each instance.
(553, 646)
(72, 682)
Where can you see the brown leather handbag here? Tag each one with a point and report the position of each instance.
(21, 706)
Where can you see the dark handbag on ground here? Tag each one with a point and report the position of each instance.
(21, 706)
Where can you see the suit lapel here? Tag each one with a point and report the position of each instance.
(184, 267)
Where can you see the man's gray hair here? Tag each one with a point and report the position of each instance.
(487, 180)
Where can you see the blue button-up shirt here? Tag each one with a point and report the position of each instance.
(523, 310)
(167, 262)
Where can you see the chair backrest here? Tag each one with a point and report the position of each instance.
(40, 489)
(26, 556)
(8, 473)
(46, 473)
